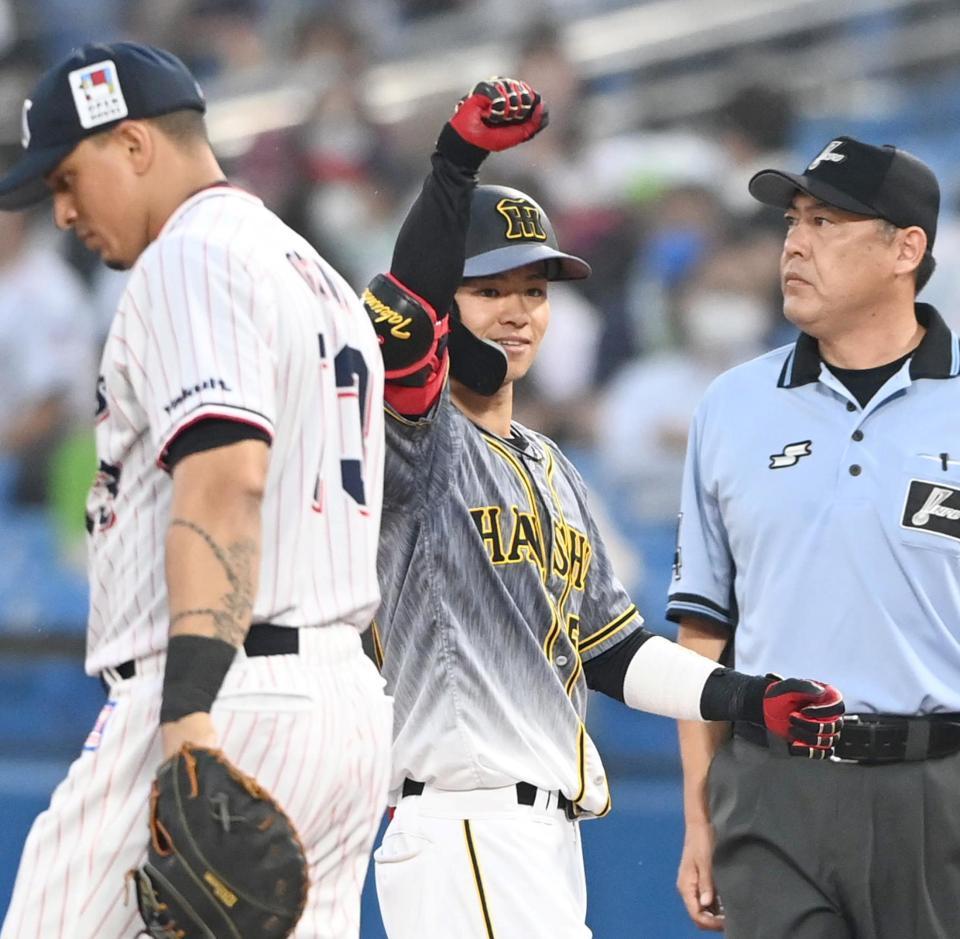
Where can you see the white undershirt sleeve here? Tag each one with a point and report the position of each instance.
(665, 678)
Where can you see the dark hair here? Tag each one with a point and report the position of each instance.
(928, 263)
(925, 269)
(186, 127)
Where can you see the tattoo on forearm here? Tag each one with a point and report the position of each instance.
(232, 619)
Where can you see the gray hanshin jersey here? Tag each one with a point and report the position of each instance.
(496, 588)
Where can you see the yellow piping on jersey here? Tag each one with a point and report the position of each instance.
(515, 465)
(581, 762)
(398, 417)
(554, 631)
(611, 629)
(377, 643)
(574, 675)
(551, 641)
(582, 773)
(477, 878)
(571, 581)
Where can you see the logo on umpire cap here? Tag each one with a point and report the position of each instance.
(828, 155)
(523, 220)
(25, 123)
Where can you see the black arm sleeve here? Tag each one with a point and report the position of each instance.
(605, 672)
(209, 434)
(429, 253)
(733, 696)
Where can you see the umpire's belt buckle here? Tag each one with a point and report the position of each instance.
(847, 719)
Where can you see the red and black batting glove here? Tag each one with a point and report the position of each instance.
(499, 113)
(807, 714)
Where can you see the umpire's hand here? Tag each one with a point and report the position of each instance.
(807, 714)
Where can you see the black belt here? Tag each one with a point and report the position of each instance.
(262, 639)
(526, 795)
(885, 738)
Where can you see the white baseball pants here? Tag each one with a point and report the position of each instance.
(313, 728)
(477, 865)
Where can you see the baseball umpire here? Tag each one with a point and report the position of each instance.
(821, 522)
(500, 607)
(240, 477)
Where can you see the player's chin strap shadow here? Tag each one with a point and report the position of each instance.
(478, 363)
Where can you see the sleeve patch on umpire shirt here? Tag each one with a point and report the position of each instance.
(932, 508)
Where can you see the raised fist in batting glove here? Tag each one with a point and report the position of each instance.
(499, 113)
(807, 714)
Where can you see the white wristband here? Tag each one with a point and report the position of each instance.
(665, 678)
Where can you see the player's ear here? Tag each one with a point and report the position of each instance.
(136, 140)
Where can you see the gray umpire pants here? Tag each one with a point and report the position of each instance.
(816, 850)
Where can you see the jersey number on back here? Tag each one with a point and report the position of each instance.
(351, 375)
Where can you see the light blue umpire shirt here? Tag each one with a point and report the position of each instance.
(828, 535)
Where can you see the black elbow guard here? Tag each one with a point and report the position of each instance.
(407, 326)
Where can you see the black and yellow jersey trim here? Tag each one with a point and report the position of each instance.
(551, 641)
(582, 775)
(517, 467)
(377, 644)
(554, 631)
(574, 675)
(611, 629)
(581, 763)
(477, 878)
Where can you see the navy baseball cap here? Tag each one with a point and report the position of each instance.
(92, 90)
(880, 182)
(509, 230)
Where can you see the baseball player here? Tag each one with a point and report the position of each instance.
(500, 608)
(821, 522)
(240, 444)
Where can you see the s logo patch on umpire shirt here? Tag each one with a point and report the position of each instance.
(791, 454)
(933, 508)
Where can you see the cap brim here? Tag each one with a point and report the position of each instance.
(24, 185)
(513, 256)
(774, 187)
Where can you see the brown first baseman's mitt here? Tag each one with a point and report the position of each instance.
(224, 861)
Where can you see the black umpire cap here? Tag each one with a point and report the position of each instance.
(93, 89)
(879, 182)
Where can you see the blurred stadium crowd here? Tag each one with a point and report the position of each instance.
(328, 109)
(660, 112)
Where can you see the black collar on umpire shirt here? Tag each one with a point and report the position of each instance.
(937, 356)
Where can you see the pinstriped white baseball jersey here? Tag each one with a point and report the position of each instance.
(230, 314)
(496, 588)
